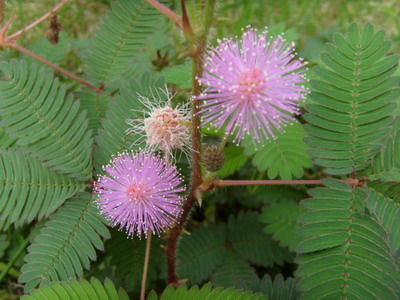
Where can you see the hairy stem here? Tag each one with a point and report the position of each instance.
(145, 267)
(1, 12)
(38, 21)
(221, 183)
(166, 11)
(200, 44)
(57, 68)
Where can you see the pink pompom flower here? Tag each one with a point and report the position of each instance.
(141, 193)
(253, 86)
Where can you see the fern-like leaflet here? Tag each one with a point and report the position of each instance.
(79, 290)
(203, 293)
(345, 252)
(29, 190)
(386, 165)
(36, 110)
(353, 101)
(65, 245)
(124, 31)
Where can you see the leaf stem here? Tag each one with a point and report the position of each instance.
(57, 68)
(221, 183)
(145, 267)
(13, 259)
(38, 21)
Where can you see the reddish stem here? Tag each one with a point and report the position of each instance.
(196, 170)
(51, 65)
(38, 21)
(220, 183)
(169, 13)
(1, 12)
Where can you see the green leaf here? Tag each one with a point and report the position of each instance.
(389, 189)
(66, 244)
(95, 104)
(234, 271)
(283, 157)
(45, 121)
(112, 137)
(387, 213)
(234, 160)
(343, 254)
(54, 53)
(125, 30)
(5, 140)
(352, 102)
(4, 243)
(204, 293)
(200, 252)
(127, 255)
(269, 194)
(281, 221)
(248, 240)
(29, 190)
(180, 75)
(279, 289)
(79, 290)
(386, 165)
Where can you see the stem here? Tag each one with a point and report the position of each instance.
(145, 266)
(51, 65)
(13, 259)
(169, 13)
(1, 13)
(196, 148)
(38, 21)
(220, 183)
(223, 143)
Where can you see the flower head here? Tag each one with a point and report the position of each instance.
(163, 127)
(140, 192)
(253, 85)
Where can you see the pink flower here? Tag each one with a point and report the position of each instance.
(254, 86)
(140, 193)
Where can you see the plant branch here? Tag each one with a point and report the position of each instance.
(1, 12)
(200, 44)
(169, 13)
(221, 183)
(51, 65)
(38, 21)
(145, 267)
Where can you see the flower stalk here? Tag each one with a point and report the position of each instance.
(145, 267)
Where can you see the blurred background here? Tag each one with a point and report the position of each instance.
(308, 22)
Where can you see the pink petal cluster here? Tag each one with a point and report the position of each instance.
(254, 86)
(141, 193)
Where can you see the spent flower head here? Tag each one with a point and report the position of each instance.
(140, 192)
(161, 126)
(254, 85)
